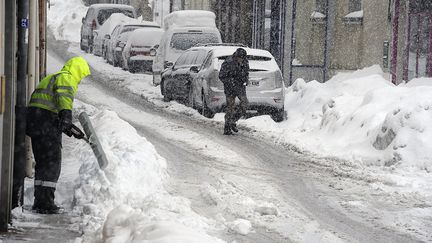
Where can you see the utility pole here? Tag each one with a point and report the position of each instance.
(8, 115)
(20, 151)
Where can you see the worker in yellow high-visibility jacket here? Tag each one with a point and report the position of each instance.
(49, 114)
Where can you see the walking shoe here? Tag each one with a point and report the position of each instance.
(227, 133)
(234, 127)
(227, 130)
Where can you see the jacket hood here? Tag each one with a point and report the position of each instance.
(77, 67)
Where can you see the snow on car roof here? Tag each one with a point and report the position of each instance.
(114, 20)
(146, 36)
(220, 51)
(141, 23)
(185, 18)
(223, 51)
(110, 5)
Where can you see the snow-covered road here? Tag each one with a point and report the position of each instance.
(283, 194)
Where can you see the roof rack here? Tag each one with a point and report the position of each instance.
(221, 44)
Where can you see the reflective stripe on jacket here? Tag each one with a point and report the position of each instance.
(56, 92)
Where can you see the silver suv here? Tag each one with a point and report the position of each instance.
(266, 92)
(96, 15)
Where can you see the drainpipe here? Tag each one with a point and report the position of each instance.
(20, 107)
(329, 28)
(395, 28)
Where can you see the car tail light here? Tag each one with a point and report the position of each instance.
(93, 25)
(278, 80)
(277, 100)
(215, 99)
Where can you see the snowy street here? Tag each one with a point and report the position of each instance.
(345, 157)
(247, 188)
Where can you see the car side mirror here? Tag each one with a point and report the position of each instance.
(156, 46)
(168, 65)
(194, 69)
(153, 52)
(107, 36)
(83, 20)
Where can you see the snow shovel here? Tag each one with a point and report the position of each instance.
(91, 138)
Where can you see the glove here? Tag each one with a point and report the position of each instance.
(76, 132)
(66, 122)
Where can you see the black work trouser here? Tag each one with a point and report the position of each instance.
(46, 144)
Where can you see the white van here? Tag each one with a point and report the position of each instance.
(183, 30)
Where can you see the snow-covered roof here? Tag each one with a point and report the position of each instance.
(110, 5)
(186, 18)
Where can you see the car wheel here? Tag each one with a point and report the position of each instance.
(81, 45)
(205, 111)
(167, 97)
(191, 101)
(278, 116)
(154, 80)
(115, 62)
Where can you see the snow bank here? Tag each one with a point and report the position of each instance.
(186, 18)
(363, 117)
(64, 19)
(127, 201)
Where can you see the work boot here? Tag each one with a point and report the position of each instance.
(234, 127)
(51, 209)
(227, 130)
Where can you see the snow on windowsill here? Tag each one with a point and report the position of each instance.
(317, 17)
(354, 17)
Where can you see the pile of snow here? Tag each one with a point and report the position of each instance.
(186, 18)
(127, 202)
(65, 19)
(360, 117)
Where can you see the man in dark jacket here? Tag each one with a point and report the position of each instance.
(234, 74)
(49, 114)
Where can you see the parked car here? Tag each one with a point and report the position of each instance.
(117, 40)
(96, 16)
(183, 30)
(140, 49)
(99, 36)
(176, 80)
(206, 92)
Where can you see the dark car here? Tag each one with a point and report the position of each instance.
(177, 78)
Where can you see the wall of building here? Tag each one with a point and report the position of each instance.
(354, 44)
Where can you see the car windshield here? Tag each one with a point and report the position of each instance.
(104, 14)
(184, 41)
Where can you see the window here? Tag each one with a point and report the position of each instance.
(321, 6)
(354, 6)
(355, 13)
(184, 41)
(104, 14)
(319, 14)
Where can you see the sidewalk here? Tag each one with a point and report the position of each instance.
(31, 227)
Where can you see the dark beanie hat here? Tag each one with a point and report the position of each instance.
(240, 52)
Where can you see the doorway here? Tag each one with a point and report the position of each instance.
(419, 51)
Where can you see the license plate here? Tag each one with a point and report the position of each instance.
(255, 83)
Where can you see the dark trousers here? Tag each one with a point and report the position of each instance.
(233, 112)
(42, 127)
